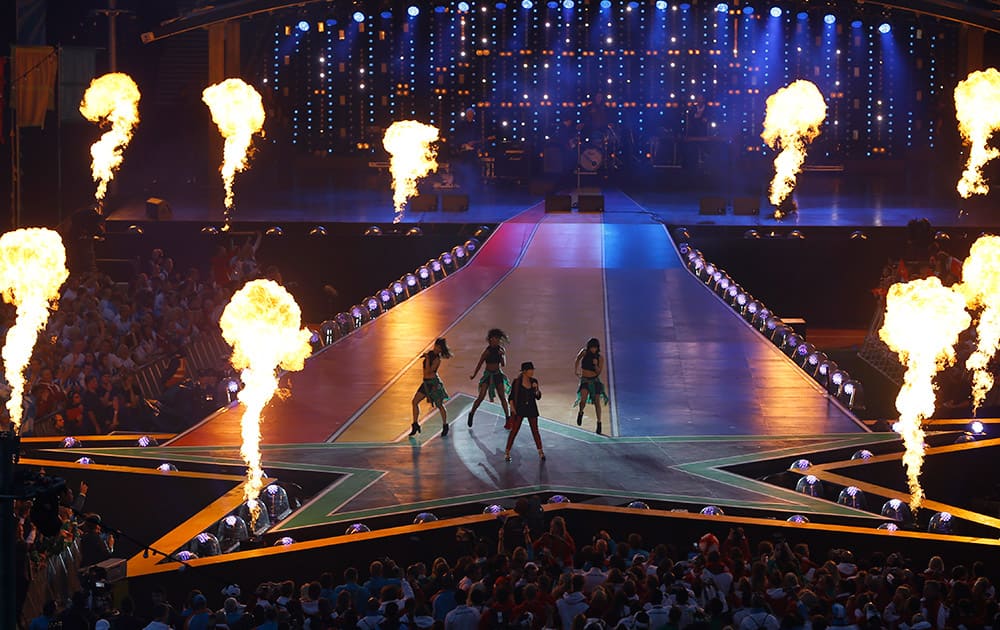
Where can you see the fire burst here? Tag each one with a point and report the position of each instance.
(113, 97)
(413, 157)
(238, 111)
(794, 115)
(977, 107)
(262, 324)
(32, 268)
(923, 319)
(981, 287)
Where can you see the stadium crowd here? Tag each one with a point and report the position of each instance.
(537, 576)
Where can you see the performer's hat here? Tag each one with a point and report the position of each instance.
(527, 365)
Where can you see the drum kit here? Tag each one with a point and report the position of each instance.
(602, 152)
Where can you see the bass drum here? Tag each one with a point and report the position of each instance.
(591, 159)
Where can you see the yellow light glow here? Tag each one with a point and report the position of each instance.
(412, 157)
(113, 98)
(793, 118)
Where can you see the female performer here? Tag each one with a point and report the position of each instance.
(524, 395)
(493, 380)
(432, 388)
(588, 367)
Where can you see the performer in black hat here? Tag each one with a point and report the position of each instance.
(524, 394)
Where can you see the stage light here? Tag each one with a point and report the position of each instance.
(776, 12)
(410, 280)
(884, 28)
(385, 297)
(284, 541)
(185, 555)
(826, 368)
(802, 353)
(638, 505)
(722, 7)
(424, 517)
(527, 4)
(357, 528)
(424, 276)
(632, 6)
(471, 245)
(210, 230)
(897, 510)
(888, 527)
(461, 256)
(303, 26)
(447, 261)
(802, 15)
(276, 501)
(263, 518)
(940, 523)
(357, 315)
(274, 232)
(437, 269)
(790, 343)
(86, 461)
(798, 519)
(413, 11)
(558, 498)
(853, 392)
(373, 307)
(463, 7)
(863, 454)
(414, 231)
(319, 230)
(685, 6)
(810, 485)
(661, 5)
(166, 467)
(205, 545)
(853, 497)
(331, 22)
(830, 19)
(813, 362)
(838, 378)
(373, 230)
(605, 4)
(71, 442)
(136, 230)
(232, 531)
(494, 509)
(358, 17)
(232, 385)
(568, 4)
(801, 464)
(796, 234)
(500, 6)
(977, 428)
(552, 4)
(856, 24)
(439, 9)
(712, 510)
(858, 235)
(146, 441)
(398, 291)
(747, 10)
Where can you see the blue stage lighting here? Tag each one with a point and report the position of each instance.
(802, 15)
(302, 26)
(605, 4)
(568, 4)
(660, 5)
(856, 24)
(439, 9)
(331, 22)
(358, 16)
(685, 6)
(775, 11)
(632, 6)
(747, 10)
(413, 11)
(463, 7)
(552, 4)
(830, 18)
(722, 7)
(527, 4)
(884, 28)
(501, 6)
(385, 15)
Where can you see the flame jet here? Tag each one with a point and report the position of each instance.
(238, 111)
(923, 319)
(412, 157)
(977, 107)
(114, 98)
(793, 118)
(981, 288)
(262, 322)
(32, 269)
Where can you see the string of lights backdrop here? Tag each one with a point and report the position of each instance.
(340, 75)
